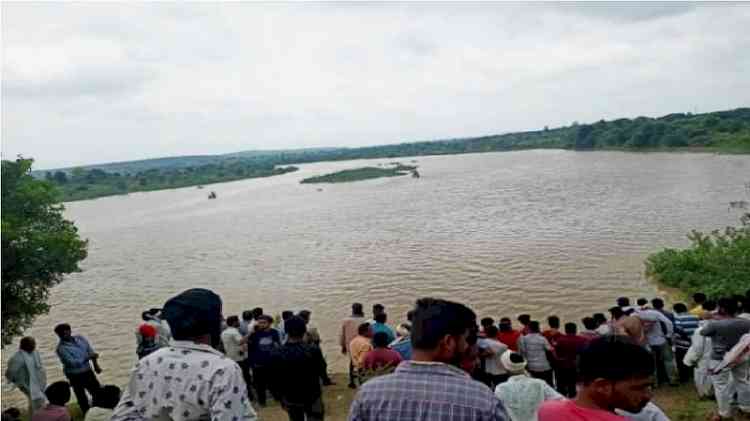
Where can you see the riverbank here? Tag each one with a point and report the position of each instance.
(361, 174)
(679, 403)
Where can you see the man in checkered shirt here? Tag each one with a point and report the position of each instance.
(431, 386)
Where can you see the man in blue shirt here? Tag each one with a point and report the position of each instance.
(77, 356)
(381, 326)
(260, 345)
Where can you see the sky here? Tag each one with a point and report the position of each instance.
(86, 83)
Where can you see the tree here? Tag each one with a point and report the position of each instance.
(60, 177)
(39, 246)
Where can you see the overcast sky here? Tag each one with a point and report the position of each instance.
(97, 82)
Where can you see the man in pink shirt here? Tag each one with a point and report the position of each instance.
(348, 332)
(616, 374)
(58, 395)
(381, 357)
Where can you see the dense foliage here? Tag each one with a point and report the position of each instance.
(717, 264)
(82, 183)
(726, 131)
(358, 174)
(39, 246)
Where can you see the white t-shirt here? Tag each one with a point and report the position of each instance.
(231, 338)
(493, 364)
(99, 414)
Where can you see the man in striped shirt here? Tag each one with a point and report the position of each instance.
(685, 325)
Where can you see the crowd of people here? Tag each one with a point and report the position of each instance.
(441, 363)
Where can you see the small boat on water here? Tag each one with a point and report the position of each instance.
(212, 195)
(415, 174)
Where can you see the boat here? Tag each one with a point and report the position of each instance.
(414, 174)
(212, 195)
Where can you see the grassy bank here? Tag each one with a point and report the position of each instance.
(679, 403)
(359, 174)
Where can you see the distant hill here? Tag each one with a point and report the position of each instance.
(721, 131)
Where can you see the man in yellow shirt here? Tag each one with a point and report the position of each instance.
(360, 346)
(699, 298)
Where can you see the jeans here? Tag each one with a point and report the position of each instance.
(547, 376)
(727, 383)
(314, 411)
(245, 366)
(82, 382)
(664, 361)
(261, 377)
(685, 372)
(566, 382)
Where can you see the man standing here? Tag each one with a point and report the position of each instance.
(261, 343)
(508, 335)
(297, 368)
(553, 333)
(431, 386)
(25, 371)
(358, 348)
(567, 349)
(402, 345)
(190, 379)
(685, 324)
(246, 322)
(348, 331)
(521, 394)
(381, 357)
(235, 346)
(312, 337)
(725, 333)
(658, 331)
(380, 326)
(534, 348)
(607, 385)
(77, 356)
(58, 395)
(698, 299)
(492, 351)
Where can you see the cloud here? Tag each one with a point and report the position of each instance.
(95, 82)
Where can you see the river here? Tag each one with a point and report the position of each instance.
(543, 232)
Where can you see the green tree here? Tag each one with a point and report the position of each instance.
(60, 177)
(39, 246)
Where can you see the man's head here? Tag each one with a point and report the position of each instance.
(263, 322)
(534, 326)
(616, 313)
(442, 330)
(233, 321)
(657, 303)
(27, 344)
(487, 321)
(107, 397)
(358, 309)
(288, 314)
(404, 329)
(680, 308)
(381, 318)
(58, 393)
(295, 327)
(699, 298)
(195, 315)
(490, 331)
(380, 340)
(623, 302)
(247, 315)
(506, 325)
(589, 323)
(63, 331)
(377, 309)
(600, 319)
(524, 319)
(305, 315)
(553, 322)
(571, 329)
(709, 305)
(257, 312)
(365, 330)
(616, 373)
(410, 315)
(727, 307)
(642, 302)
(513, 362)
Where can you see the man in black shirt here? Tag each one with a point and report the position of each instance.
(297, 368)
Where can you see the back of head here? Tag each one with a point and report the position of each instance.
(233, 321)
(435, 318)
(571, 328)
(487, 321)
(680, 308)
(305, 315)
(295, 327)
(553, 322)
(709, 305)
(623, 301)
(614, 358)
(589, 323)
(287, 314)
(380, 340)
(728, 306)
(410, 315)
(257, 312)
(247, 315)
(404, 329)
(363, 329)
(657, 303)
(699, 298)
(194, 313)
(357, 309)
(490, 331)
(58, 393)
(600, 318)
(534, 326)
(616, 312)
(513, 362)
(107, 397)
(381, 317)
(524, 319)
(12, 414)
(377, 309)
(642, 302)
(27, 344)
(61, 328)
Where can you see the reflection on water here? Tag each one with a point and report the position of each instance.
(535, 231)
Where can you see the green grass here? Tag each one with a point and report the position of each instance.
(359, 174)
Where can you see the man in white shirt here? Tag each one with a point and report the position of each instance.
(492, 351)
(658, 328)
(25, 371)
(189, 380)
(235, 348)
(521, 394)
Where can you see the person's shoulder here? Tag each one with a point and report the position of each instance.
(551, 407)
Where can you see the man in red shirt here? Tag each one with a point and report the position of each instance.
(508, 335)
(381, 357)
(616, 374)
(524, 319)
(567, 348)
(553, 333)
